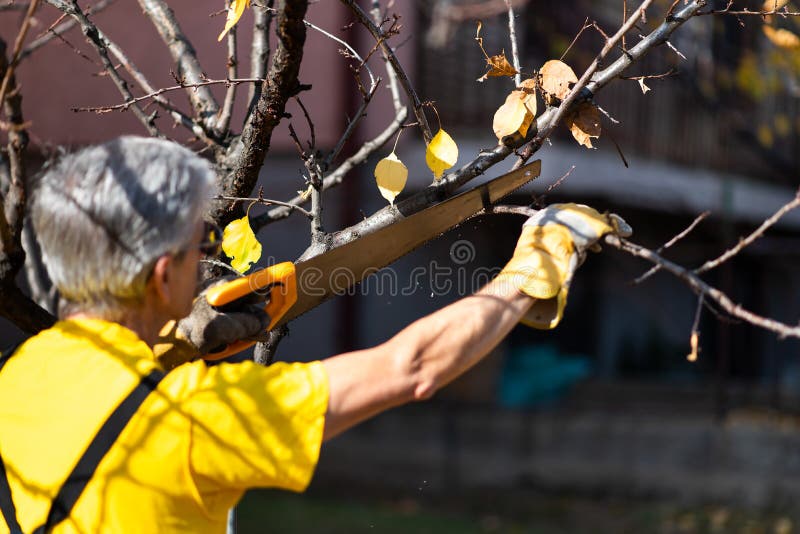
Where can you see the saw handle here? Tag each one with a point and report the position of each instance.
(281, 282)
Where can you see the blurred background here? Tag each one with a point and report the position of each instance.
(602, 425)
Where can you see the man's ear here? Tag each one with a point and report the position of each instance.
(162, 277)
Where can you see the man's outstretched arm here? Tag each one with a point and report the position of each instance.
(423, 357)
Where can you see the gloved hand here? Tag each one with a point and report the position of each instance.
(551, 247)
(208, 329)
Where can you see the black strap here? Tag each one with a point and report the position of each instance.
(79, 477)
(6, 504)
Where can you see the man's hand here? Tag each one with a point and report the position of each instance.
(208, 329)
(551, 247)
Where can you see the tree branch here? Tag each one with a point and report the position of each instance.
(224, 118)
(71, 8)
(185, 57)
(713, 264)
(281, 84)
(512, 34)
(380, 38)
(259, 52)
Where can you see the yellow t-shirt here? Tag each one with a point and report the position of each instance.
(198, 441)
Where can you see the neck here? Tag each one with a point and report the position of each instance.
(143, 323)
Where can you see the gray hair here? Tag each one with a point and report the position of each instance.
(105, 214)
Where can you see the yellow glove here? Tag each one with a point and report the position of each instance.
(552, 245)
(208, 329)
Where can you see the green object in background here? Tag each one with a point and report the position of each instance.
(538, 375)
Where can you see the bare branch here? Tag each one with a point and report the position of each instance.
(266, 201)
(390, 72)
(671, 242)
(336, 177)
(224, 118)
(156, 93)
(259, 53)
(71, 8)
(712, 264)
(281, 84)
(23, 31)
(546, 122)
(185, 57)
(351, 126)
(700, 287)
(512, 34)
(380, 37)
(59, 29)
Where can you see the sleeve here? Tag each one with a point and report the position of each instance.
(255, 426)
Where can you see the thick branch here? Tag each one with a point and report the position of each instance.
(71, 8)
(224, 119)
(185, 57)
(259, 53)
(281, 84)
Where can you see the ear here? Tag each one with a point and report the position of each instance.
(161, 278)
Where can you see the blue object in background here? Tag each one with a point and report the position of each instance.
(534, 376)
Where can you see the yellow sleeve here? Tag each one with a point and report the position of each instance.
(255, 426)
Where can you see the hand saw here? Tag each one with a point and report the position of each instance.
(295, 288)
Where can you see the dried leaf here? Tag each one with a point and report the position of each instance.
(513, 116)
(694, 342)
(498, 66)
(782, 38)
(584, 124)
(556, 78)
(529, 88)
(643, 86)
(773, 5)
(391, 176)
(235, 11)
(240, 244)
(441, 154)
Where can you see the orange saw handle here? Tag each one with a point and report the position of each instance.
(281, 282)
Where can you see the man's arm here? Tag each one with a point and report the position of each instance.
(422, 358)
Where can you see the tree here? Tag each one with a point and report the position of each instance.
(239, 149)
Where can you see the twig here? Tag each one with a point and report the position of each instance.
(694, 338)
(700, 287)
(669, 243)
(12, 64)
(153, 94)
(566, 104)
(379, 36)
(390, 72)
(539, 200)
(57, 30)
(712, 264)
(336, 177)
(783, 12)
(188, 66)
(351, 127)
(512, 34)
(71, 8)
(546, 121)
(267, 201)
(585, 27)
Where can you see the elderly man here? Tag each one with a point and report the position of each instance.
(95, 436)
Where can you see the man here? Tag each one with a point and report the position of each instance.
(121, 231)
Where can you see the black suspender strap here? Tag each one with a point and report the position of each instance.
(6, 504)
(76, 482)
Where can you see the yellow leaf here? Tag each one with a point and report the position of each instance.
(441, 154)
(391, 176)
(513, 116)
(240, 244)
(782, 38)
(498, 66)
(764, 136)
(694, 342)
(773, 5)
(584, 124)
(556, 78)
(235, 11)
